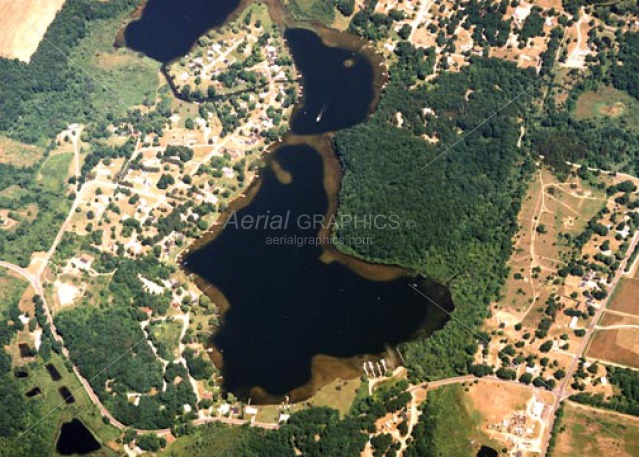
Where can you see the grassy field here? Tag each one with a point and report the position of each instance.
(607, 103)
(127, 75)
(619, 346)
(455, 429)
(212, 439)
(55, 171)
(165, 337)
(311, 10)
(597, 433)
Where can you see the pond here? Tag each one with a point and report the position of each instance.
(75, 438)
(294, 321)
(486, 451)
(66, 395)
(53, 372)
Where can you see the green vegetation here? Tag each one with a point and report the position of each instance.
(34, 105)
(445, 426)
(312, 10)
(626, 397)
(131, 76)
(626, 76)
(464, 204)
(36, 199)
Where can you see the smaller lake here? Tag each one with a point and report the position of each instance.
(75, 438)
(168, 29)
(338, 84)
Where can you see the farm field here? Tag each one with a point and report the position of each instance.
(619, 346)
(23, 23)
(625, 297)
(597, 433)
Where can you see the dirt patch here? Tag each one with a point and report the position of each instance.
(23, 24)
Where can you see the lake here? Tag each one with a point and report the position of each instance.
(292, 321)
(167, 29)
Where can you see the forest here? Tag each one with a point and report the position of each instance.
(464, 202)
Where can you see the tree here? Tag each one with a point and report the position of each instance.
(546, 347)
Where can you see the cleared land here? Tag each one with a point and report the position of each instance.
(597, 433)
(18, 154)
(23, 24)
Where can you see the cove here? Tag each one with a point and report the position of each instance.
(294, 317)
(167, 29)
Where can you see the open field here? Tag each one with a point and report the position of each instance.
(625, 298)
(619, 346)
(132, 77)
(23, 24)
(606, 102)
(55, 171)
(18, 154)
(597, 433)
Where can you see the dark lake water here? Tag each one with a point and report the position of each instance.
(286, 305)
(338, 84)
(168, 28)
(75, 438)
